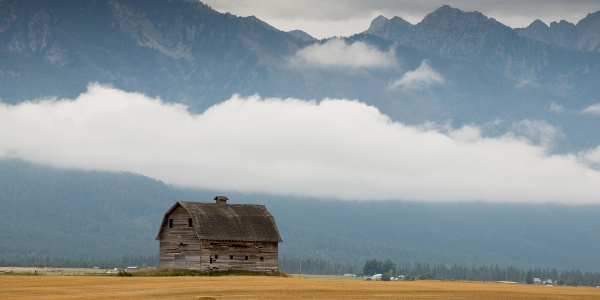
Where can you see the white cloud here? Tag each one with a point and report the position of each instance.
(591, 157)
(537, 131)
(468, 133)
(526, 83)
(592, 109)
(335, 53)
(555, 107)
(332, 148)
(421, 78)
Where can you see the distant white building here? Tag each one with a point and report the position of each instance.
(374, 277)
(537, 281)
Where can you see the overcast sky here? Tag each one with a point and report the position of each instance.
(327, 18)
(333, 148)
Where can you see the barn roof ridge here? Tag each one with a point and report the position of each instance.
(229, 222)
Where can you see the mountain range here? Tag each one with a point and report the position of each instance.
(583, 36)
(479, 72)
(186, 52)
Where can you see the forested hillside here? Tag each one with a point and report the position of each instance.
(80, 214)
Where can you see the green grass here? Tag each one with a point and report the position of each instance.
(137, 273)
(19, 273)
(168, 272)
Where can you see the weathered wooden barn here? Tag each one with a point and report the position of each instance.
(218, 236)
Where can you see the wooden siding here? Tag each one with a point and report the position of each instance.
(239, 255)
(179, 246)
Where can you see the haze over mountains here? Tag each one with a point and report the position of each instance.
(458, 102)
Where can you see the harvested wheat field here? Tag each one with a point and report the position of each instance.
(234, 287)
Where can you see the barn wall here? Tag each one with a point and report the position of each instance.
(239, 255)
(179, 246)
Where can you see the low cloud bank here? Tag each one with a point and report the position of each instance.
(332, 148)
(337, 54)
(418, 79)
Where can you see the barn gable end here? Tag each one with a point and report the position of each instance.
(218, 236)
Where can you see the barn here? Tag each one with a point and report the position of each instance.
(218, 236)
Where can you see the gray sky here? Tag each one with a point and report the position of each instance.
(326, 18)
(335, 148)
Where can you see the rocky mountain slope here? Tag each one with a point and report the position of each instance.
(583, 36)
(179, 50)
(186, 52)
(450, 32)
(517, 76)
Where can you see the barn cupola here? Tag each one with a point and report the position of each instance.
(221, 200)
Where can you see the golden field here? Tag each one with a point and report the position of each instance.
(258, 287)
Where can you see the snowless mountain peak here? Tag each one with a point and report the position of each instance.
(378, 23)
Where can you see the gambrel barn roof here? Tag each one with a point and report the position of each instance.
(228, 222)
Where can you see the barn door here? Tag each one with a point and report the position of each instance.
(179, 261)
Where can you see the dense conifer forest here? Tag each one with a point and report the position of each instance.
(425, 271)
(86, 215)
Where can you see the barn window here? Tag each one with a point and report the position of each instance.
(262, 258)
(170, 223)
(230, 256)
(190, 222)
(216, 256)
(245, 257)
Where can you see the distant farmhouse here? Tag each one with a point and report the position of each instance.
(218, 236)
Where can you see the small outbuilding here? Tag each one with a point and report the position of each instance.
(218, 236)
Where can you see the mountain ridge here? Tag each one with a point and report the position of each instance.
(582, 36)
(185, 39)
(204, 56)
(503, 51)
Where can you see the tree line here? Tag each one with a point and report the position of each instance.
(317, 266)
(73, 262)
(424, 271)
